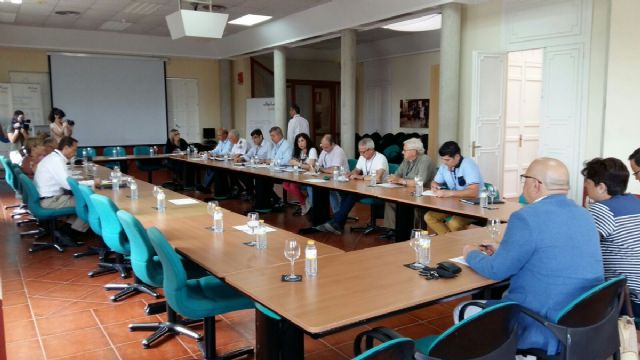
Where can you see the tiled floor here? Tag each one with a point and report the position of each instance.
(52, 310)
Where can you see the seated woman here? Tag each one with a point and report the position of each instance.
(175, 144)
(617, 218)
(304, 156)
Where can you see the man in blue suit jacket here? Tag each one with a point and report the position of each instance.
(550, 251)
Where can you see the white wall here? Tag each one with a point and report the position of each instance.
(306, 69)
(623, 78)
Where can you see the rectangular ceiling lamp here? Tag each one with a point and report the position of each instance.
(196, 23)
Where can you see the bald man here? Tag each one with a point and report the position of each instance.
(550, 250)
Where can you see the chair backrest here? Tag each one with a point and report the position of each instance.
(175, 276)
(142, 253)
(31, 197)
(393, 168)
(522, 200)
(490, 186)
(108, 151)
(112, 232)
(592, 306)
(91, 152)
(82, 210)
(141, 150)
(489, 334)
(397, 349)
(393, 153)
(17, 171)
(92, 213)
(352, 163)
(8, 173)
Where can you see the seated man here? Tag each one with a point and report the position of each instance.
(550, 251)
(415, 164)
(634, 162)
(462, 178)
(370, 164)
(51, 181)
(332, 156)
(266, 198)
(260, 152)
(222, 148)
(238, 149)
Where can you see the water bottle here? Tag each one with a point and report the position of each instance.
(419, 186)
(261, 236)
(115, 179)
(483, 198)
(133, 186)
(151, 151)
(114, 152)
(161, 202)
(155, 150)
(85, 157)
(218, 222)
(373, 181)
(336, 174)
(311, 259)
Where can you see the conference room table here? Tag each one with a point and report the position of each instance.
(403, 196)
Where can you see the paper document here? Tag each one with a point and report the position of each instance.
(183, 201)
(247, 229)
(389, 185)
(308, 173)
(428, 193)
(90, 183)
(316, 180)
(460, 259)
(262, 165)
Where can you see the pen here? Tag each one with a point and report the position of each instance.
(467, 201)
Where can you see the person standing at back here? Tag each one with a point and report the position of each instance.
(297, 124)
(59, 127)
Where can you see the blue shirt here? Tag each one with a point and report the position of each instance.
(282, 152)
(261, 151)
(223, 147)
(465, 174)
(551, 252)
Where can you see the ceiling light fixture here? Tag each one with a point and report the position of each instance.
(17, 2)
(197, 23)
(250, 20)
(423, 23)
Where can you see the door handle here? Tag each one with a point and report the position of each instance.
(473, 148)
(520, 141)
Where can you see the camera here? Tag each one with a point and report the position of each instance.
(70, 122)
(24, 124)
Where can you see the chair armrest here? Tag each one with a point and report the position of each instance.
(382, 334)
(464, 307)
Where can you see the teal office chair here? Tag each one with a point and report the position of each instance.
(108, 152)
(147, 165)
(588, 327)
(44, 216)
(373, 205)
(91, 152)
(12, 180)
(82, 211)
(148, 268)
(23, 210)
(198, 298)
(393, 345)
(116, 239)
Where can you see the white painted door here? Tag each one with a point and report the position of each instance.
(487, 114)
(183, 108)
(522, 122)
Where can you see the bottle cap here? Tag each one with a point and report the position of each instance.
(218, 208)
(310, 242)
(261, 221)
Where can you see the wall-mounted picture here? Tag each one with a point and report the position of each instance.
(414, 113)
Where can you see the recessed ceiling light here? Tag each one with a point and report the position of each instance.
(423, 23)
(250, 19)
(115, 25)
(16, 2)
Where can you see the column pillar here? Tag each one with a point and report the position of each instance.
(449, 73)
(225, 89)
(348, 91)
(280, 88)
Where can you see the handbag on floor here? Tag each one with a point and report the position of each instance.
(627, 331)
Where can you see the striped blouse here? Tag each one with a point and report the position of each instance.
(618, 222)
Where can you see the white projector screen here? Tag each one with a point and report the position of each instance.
(114, 100)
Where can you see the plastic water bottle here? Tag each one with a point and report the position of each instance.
(133, 186)
(311, 259)
(336, 174)
(483, 198)
(161, 202)
(115, 179)
(419, 186)
(218, 222)
(152, 151)
(85, 156)
(114, 152)
(373, 180)
(261, 236)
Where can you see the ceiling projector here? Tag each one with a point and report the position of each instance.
(196, 24)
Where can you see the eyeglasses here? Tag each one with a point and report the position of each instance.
(524, 178)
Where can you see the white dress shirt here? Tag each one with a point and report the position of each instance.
(297, 125)
(333, 158)
(51, 175)
(240, 147)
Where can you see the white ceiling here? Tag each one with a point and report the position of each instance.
(146, 17)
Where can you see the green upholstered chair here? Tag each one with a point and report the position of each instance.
(12, 180)
(373, 204)
(147, 165)
(82, 211)
(91, 152)
(397, 349)
(588, 327)
(116, 240)
(197, 298)
(44, 215)
(108, 152)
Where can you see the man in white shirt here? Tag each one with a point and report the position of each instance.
(237, 148)
(297, 124)
(370, 164)
(50, 179)
(332, 156)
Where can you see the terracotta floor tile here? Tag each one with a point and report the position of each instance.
(12, 285)
(12, 273)
(167, 350)
(344, 336)
(102, 354)
(83, 278)
(98, 295)
(62, 275)
(59, 324)
(346, 350)
(417, 331)
(120, 312)
(78, 306)
(20, 331)
(442, 323)
(312, 345)
(16, 313)
(230, 347)
(119, 333)
(73, 343)
(245, 323)
(431, 312)
(225, 335)
(394, 322)
(14, 298)
(85, 263)
(56, 261)
(32, 272)
(37, 287)
(328, 354)
(43, 306)
(22, 350)
(70, 291)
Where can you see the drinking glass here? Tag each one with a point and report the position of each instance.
(211, 209)
(156, 191)
(291, 252)
(416, 237)
(317, 167)
(493, 227)
(492, 193)
(253, 220)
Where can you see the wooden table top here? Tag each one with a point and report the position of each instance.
(400, 194)
(129, 157)
(357, 286)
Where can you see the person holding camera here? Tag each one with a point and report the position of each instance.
(59, 126)
(17, 133)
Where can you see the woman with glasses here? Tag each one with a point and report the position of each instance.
(617, 218)
(304, 156)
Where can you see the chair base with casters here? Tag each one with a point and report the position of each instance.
(127, 290)
(371, 226)
(155, 308)
(173, 326)
(108, 265)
